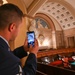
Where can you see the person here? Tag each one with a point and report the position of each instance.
(39, 24)
(10, 22)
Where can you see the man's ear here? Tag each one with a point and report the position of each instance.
(11, 27)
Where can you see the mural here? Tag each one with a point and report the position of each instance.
(41, 29)
(40, 23)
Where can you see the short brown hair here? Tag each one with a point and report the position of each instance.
(9, 13)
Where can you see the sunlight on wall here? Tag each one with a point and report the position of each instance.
(46, 44)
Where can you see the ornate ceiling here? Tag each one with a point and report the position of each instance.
(28, 2)
(61, 10)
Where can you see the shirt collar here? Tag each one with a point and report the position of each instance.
(4, 40)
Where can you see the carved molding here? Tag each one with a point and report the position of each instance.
(1, 2)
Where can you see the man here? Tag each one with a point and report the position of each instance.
(10, 22)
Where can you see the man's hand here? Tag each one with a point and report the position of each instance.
(26, 45)
(35, 48)
(31, 49)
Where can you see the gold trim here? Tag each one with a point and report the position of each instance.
(28, 16)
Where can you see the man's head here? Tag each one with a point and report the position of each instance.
(10, 18)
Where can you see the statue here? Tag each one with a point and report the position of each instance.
(32, 27)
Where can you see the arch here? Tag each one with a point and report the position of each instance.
(61, 12)
(47, 19)
(48, 34)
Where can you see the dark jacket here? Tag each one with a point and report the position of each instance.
(10, 61)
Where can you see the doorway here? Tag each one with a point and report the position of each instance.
(71, 42)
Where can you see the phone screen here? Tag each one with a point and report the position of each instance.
(31, 38)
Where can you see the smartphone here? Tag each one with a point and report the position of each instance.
(31, 38)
